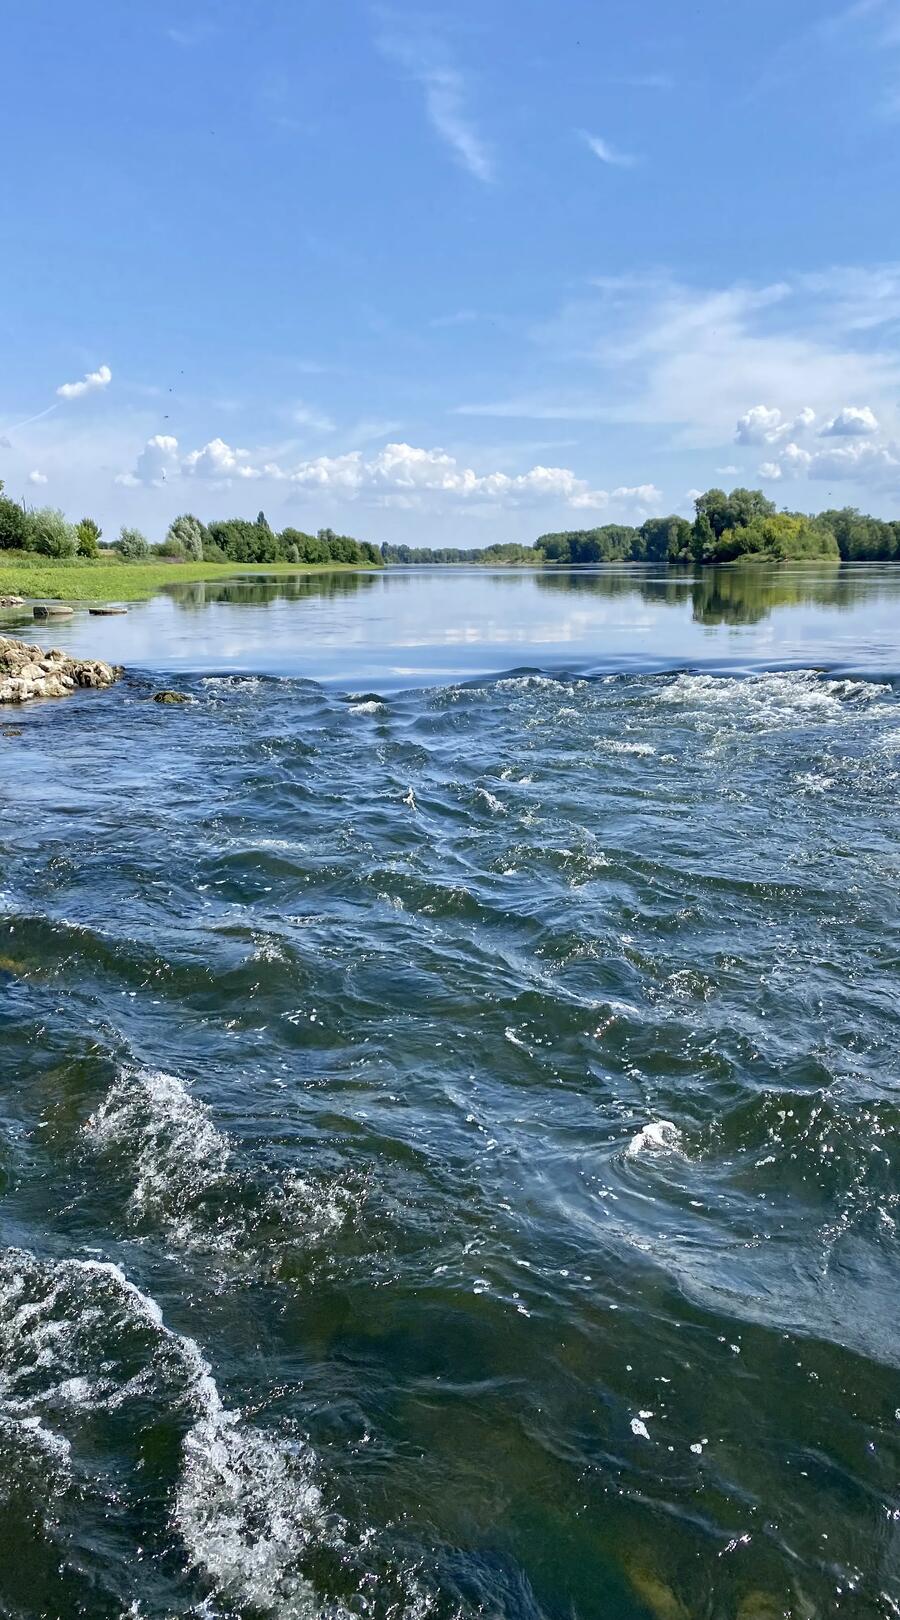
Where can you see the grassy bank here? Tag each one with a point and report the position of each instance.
(108, 579)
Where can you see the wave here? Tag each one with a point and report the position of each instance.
(78, 1337)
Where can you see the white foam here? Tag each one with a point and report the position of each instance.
(370, 706)
(246, 1507)
(660, 1135)
(493, 803)
(175, 1147)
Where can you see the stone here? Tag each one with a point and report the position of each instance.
(12, 601)
(170, 697)
(105, 612)
(27, 672)
(52, 610)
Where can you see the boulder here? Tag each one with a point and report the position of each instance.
(170, 697)
(53, 610)
(12, 601)
(27, 671)
(105, 612)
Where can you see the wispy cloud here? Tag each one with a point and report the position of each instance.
(446, 96)
(607, 153)
(307, 416)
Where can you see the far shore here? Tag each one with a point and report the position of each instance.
(110, 579)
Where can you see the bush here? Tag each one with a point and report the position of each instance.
(51, 535)
(15, 532)
(190, 535)
(131, 545)
(87, 536)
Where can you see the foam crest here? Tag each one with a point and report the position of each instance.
(246, 1507)
(173, 1144)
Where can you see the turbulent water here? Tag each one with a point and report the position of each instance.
(447, 1150)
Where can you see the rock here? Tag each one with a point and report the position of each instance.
(105, 612)
(53, 610)
(28, 672)
(170, 697)
(12, 601)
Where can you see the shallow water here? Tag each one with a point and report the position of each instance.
(447, 1129)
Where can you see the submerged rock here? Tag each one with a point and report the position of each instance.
(28, 672)
(105, 612)
(170, 697)
(12, 601)
(53, 610)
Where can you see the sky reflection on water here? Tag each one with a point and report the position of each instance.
(417, 625)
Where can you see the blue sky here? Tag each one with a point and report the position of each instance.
(448, 275)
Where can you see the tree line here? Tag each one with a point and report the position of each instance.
(48, 532)
(725, 528)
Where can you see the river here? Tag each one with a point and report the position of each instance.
(449, 1103)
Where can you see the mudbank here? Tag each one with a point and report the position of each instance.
(28, 672)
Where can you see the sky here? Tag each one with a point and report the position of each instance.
(448, 275)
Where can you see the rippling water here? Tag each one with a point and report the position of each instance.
(446, 1148)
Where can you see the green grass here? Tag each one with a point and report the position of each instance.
(108, 579)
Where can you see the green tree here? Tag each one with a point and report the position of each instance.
(51, 534)
(132, 545)
(87, 536)
(190, 534)
(15, 533)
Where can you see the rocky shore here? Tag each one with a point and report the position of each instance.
(26, 672)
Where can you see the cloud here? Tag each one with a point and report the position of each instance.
(307, 416)
(648, 350)
(728, 472)
(36, 477)
(217, 460)
(397, 474)
(90, 382)
(445, 102)
(156, 464)
(763, 424)
(607, 153)
(878, 463)
(852, 422)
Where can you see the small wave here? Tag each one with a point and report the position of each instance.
(247, 1506)
(660, 1136)
(495, 805)
(370, 706)
(617, 746)
(170, 1139)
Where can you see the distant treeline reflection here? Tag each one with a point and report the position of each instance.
(257, 592)
(722, 595)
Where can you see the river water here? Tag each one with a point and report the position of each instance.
(449, 1104)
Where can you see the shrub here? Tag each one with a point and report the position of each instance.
(131, 545)
(51, 535)
(188, 533)
(15, 532)
(87, 537)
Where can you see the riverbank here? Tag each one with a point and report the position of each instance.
(107, 579)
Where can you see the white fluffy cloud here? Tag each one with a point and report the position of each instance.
(764, 424)
(853, 422)
(37, 477)
(156, 464)
(860, 459)
(399, 474)
(217, 460)
(89, 383)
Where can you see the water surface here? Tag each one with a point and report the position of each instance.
(447, 1126)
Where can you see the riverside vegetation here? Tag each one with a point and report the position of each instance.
(42, 554)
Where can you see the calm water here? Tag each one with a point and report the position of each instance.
(449, 1104)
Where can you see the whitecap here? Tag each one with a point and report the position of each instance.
(172, 1143)
(660, 1135)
